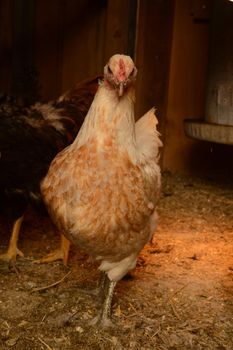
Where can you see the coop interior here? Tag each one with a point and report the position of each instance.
(180, 295)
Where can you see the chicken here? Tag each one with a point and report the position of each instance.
(29, 140)
(102, 190)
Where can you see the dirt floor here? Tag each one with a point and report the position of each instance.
(179, 297)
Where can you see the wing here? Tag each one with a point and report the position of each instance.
(147, 138)
(148, 144)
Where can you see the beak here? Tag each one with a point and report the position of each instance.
(120, 88)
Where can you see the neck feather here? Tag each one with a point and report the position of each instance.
(110, 117)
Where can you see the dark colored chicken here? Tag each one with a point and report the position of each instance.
(29, 140)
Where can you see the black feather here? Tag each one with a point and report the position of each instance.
(31, 137)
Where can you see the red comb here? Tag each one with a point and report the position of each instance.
(121, 72)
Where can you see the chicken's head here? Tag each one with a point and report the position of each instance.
(120, 72)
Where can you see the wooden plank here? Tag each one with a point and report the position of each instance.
(219, 106)
(187, 85)
(24, 82)
(6, 37)
(154, 32)
(70, 42)
(209, 132)
(48, 46)
(117, 28)
(83, 40)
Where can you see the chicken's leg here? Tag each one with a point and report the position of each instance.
(13, 250)
(106, 309)
(102, 284)
(103, 319)
(59, 254)
(99, 291)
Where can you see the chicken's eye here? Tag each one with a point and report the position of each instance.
(109, 70)
(132, 73)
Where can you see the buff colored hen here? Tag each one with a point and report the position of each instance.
(102, 190)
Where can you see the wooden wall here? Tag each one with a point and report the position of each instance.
(70, 42)
(5, 45)
(186, 88)
(153, 49)
(73, 40)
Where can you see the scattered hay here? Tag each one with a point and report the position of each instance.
(179, 297)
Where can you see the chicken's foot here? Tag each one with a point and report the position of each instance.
(13, 250)
(59, 254)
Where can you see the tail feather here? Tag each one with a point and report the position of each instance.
(85, 88)
(147, 137)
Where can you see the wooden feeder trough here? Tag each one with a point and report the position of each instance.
(202, 130)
